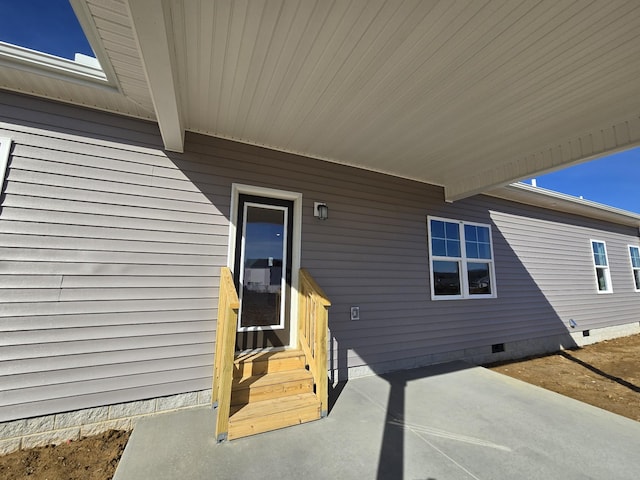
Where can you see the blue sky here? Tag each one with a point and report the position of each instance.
(613, 180)
(50, 26)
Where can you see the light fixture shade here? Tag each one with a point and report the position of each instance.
(323, 212)
(320, 210)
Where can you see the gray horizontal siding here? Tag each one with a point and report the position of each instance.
(101, 220)
(110, 251)
(106, 232)
(109, 263)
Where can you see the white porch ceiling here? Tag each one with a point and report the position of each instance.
(465, 94)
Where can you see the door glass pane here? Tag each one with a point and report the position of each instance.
(262, 272)
(446, 278)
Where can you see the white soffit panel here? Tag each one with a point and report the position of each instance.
(467, 95)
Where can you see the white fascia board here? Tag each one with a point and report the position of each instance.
(541, 197)
(152, 38)
(25, 59)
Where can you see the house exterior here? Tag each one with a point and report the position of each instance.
(112, 244)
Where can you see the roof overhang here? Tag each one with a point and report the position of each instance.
(466, 95)
(541, 197)
(13, 56)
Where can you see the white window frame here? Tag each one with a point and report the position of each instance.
(634, 269)
(463, 262)
(606, 268)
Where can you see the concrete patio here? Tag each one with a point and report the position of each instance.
(445, 422)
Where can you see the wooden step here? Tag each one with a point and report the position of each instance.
(251, 364)
(267, 415)
(271, 385)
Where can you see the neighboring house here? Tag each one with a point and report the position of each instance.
(112, 241)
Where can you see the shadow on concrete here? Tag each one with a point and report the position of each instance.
(517, 290)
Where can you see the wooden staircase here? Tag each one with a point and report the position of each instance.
(271, 390)
(261, 391)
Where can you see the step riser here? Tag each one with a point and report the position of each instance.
(248, 369)
(268, 392)
(268, 423)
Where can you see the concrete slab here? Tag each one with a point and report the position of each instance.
(450, 421)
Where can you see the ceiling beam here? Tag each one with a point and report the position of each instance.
(596, 143)
(153, 41)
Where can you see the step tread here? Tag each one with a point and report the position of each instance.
(274, 407)
(272, 378)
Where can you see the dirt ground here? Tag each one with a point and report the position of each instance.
(90, 458)
(606, 375)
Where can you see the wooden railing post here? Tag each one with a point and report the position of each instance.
(228, 305)
(313, 325)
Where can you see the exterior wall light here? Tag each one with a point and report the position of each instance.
(320, 210)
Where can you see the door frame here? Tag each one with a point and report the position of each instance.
(236, 190)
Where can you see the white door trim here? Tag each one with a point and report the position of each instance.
(238, 189)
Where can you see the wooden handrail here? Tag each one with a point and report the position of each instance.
(313, 324)
(228, 305)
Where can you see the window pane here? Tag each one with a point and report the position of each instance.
(484, 250)
(446, 278)
(453, 248)
(635, 256)
(452, 230)
(472, 249)
(477, 242)
(599, 255)
(470, 233)
(483, 234)
(437, 229)
(603, 286)
(479, 278)
(445, 239)
(636, 277)
(439, 247)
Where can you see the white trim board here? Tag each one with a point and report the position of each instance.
(236, 190)
(5, 148)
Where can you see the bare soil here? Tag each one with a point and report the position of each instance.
(90, 458)
(606, 375)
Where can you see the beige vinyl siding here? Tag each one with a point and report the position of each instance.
(111, 248)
